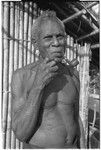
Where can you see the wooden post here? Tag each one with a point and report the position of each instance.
(15, 54)
(34, 17)
(32, 47)
(5, 71)
(26, 22)
(29, 34)
(20, 36)
(2, 64)
(30, 24)
(71, 50)
(11, 57)
(84, 85)
(68, 43)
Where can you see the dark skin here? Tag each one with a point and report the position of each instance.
(45, 96)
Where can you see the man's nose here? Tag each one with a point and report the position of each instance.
(55, 41)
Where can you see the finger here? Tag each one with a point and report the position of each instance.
(53, 69)
(58, 59)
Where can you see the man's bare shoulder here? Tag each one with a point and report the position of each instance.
(24, 72)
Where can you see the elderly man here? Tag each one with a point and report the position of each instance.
(45, 94)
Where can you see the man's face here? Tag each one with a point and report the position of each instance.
(52, 40)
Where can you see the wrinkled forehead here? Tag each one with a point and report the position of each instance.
(52, 26)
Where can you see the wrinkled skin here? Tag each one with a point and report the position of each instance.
(45, 96)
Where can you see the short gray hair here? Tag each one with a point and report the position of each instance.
(37, 24)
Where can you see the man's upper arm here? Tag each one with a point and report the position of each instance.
(16, 91)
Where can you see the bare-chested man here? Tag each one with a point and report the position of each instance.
(45, 94)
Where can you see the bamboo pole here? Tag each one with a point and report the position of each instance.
(20, 49)
(1, 81)
(68, 43)
(78, 56)
(16, 44)
(26, 21)
(15, 54)
(5, 73)
(75, 50)
(34, 17)
(71, 50)
(13, 140)
(20, 37)
(95, 46)
(21, 145)
(29, 34)
(30, 24)
(83, 11)
(88, 35)
(17, 144)
(11, 57)
(22, 22)
(85, 19)
(32, 47)
(95, 20)
(84, 85)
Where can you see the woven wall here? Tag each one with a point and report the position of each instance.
(18, 51)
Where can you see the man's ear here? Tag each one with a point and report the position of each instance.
(35, 43)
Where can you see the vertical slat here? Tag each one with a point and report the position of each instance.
(26, 22)
(84, 83)
(20, 36)
(34, 17)
(32, 47)
(71, 50)
(22, 39)
(75, 50)
(13, 140)
(11, 57)
(19, 44)
(5, 74)
(13, 49)
(30, 26)
(29, 33)
(68, 49)
(21, 145)
(36, 51)
(78, 56)
(1, 79)
(16, 37)
(17, 144)
(15, 54)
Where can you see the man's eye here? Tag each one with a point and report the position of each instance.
(48, 37)
(60, 36)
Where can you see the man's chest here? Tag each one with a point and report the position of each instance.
(60, 90)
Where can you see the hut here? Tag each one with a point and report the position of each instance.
(81, 21)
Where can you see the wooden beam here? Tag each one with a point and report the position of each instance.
(75, 25)
(64, 14)
(88, 35)
(83, 11)
(96, 22)
(83, 17)
(95, 46)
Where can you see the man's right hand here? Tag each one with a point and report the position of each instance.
(46, 71)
